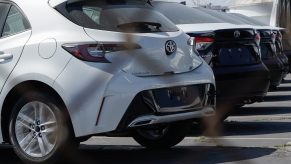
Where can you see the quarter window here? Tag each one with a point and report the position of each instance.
(15, 23)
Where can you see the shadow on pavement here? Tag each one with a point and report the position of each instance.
(137, 155)
(277, 98)
(7, 156)
(286, 81)
(234, 128)
(252, 111)
(282, 89)
(185, 155)
(255, 128)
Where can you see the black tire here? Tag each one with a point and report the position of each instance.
(174, 134)
(62, 135)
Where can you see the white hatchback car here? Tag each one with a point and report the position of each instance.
(71, 69)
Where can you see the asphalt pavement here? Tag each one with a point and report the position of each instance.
(256, 134)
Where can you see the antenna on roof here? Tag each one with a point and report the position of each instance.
(149, 2)
(183, 2)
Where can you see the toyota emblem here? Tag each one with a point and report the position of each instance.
(236, 34)
(170, 47)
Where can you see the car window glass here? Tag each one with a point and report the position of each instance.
(186, 14)
(15, 22)
(124, 17)
(93, 13)
(4, 7)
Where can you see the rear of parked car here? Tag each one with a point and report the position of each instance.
(233, 53)
(286, 46)
(280, 50)
(271, 55)
(73, 69)
(241, 77)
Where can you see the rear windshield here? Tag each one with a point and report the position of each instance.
(222, 16)
(181, 14)
(247, 20)
(120, 18)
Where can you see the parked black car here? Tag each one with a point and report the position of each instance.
(286, 42)
(280, 51)
(267, 45)
(274, 36)
(232, 52)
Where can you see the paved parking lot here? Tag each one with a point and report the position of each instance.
(256, 134)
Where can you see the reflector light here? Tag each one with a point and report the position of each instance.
(202, 43)
(96, 52)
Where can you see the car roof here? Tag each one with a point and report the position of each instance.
(227, 18)
(54, 3)
(247, 19)
(183, 14)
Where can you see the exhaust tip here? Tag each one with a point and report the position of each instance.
(140, 123)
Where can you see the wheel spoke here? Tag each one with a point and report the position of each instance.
(48, 123)
(41, 146)
(46, 142)
(25, 140)
(49, 130)
(27, 146)
(41, 113)
(35, 107)
(24, 124)
(25, 118)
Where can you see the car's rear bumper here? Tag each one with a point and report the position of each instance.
(243, 84)
(288, 54)
(150, 112)
(285, 61)
(99, 97)
(276, 69)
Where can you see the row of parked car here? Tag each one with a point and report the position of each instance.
(72, 69)
(247, 57)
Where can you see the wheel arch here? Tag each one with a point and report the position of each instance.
(16, 92)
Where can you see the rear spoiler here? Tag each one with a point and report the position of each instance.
(74, 1)
(110, 1)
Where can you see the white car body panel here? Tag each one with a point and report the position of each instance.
(141, 62)
(267, 27)
(83, 85)
(11, 45)
(115, 86)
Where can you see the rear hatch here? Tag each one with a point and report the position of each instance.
(229, 47)
(136, 38)
(152, 57)
(267, 44)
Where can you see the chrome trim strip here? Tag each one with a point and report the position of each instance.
(152, 103)
(152, 119)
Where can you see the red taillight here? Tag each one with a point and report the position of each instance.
(274, 37)
(258, 38)
(280, 36)
(202, 43)
(96, 52)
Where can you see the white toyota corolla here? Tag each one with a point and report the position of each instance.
(71, 69)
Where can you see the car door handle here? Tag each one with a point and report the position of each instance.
(5, 56)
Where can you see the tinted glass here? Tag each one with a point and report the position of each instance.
(3, 13)
(15, 22)
(181, 14)
(127, 18)
(222, 16)
(248, 20)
